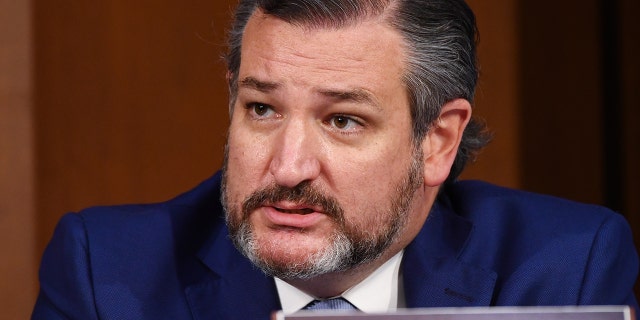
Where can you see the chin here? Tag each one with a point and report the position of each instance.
(290, 246)
(299, 257)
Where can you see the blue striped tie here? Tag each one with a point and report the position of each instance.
(332, 304)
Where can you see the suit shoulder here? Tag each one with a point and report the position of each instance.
(575, 251)
(204, 199)
(165, 230)
(479, 200)
(520, 225)
(115, 259)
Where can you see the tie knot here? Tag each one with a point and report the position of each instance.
(332, 304)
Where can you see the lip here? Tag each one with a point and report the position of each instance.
(285, 215)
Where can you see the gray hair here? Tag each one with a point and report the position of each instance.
(441, 58)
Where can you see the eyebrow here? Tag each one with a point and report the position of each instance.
(356, 95)
(259, 85)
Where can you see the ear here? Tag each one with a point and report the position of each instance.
(440, 145)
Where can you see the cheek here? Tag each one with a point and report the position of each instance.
(371, 175)
(243, 169)
(248, 157)
(368, 188)
(365, 202)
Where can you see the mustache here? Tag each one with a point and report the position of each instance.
(303, 194)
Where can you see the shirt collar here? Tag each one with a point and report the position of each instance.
(381, 291)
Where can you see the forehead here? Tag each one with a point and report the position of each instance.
(366, 50)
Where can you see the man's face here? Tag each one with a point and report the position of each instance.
(321, 172)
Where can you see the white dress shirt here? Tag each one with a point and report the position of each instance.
(381, 291)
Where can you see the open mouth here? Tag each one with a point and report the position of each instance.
(295, 211)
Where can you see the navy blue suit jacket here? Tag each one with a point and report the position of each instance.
(481, 246)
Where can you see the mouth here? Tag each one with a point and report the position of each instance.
(292, 215)
(302, 211)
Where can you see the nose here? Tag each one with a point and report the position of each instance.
(296, 155)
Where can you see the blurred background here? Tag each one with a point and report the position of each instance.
(109, 102)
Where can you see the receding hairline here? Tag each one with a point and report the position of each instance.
(365, 10)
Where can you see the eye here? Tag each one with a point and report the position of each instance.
(343, 122)
(260, 110)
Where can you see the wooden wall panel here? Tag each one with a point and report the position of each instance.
(17, 221)
(630, 89)
(130, 101)
(497, 95)
(561, 94)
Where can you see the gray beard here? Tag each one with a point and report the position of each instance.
(349, 247)
(336, 257)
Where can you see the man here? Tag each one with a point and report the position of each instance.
(350, 122)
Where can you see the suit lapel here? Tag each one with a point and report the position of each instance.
(434, 275)
(231, 287)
